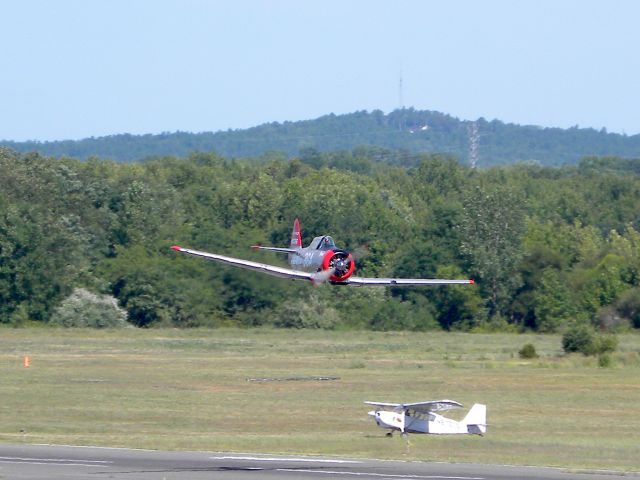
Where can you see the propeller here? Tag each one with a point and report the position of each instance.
(322, 276)
(341, 263)
(338, 265)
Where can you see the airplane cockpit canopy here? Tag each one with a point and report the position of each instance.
(323, 243)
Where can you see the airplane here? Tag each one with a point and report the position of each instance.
(321, 261)
(421, 417)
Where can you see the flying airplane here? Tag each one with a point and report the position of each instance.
(421, 417)
(322, 261)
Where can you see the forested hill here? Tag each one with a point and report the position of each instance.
(407, 130)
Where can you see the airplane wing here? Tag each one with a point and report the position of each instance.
(275, 249)
(283, 272)
(360, 281)
(420, 407)
(259, 267)
(384, 404)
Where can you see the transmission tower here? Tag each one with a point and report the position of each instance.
(474, 141)
(400, 99)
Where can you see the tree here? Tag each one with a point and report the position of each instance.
(491, 228)
(628, 306)
(85, 309)
(554, 304)
(309, 312)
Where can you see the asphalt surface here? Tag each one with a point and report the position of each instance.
(35, 462)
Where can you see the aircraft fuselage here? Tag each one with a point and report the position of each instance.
(427, 423)
(323, 255)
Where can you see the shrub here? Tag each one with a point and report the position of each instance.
(85, 309)
(606, 344)
(584, 339)
(604, 360)
(609, 318)
(528, 351)
(580, 338)
(309, 313)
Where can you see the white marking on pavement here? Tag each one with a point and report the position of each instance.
(381, 475)
(284, 459)
(92, 446)
(56, 461)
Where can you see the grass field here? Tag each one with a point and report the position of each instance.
(189, 389)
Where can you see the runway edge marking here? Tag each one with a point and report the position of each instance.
(383, 475)
(285, 459)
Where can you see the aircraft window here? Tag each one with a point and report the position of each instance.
(326, 243)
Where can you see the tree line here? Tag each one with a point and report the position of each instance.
(399, 136)
(548, 247)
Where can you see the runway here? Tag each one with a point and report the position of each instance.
(40, 462)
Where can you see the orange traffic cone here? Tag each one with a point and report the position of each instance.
(27, 361)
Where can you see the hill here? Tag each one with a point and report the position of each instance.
(406, 130)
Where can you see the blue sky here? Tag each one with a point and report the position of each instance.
(72, 69)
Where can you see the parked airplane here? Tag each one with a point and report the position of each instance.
(321, 261)
(421, 418)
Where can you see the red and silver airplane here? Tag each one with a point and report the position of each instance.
(320, 262)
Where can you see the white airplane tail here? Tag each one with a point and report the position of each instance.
(476, 419)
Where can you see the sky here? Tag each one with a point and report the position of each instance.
(73, 69)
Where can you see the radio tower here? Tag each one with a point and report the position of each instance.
(400, 99)
(474, 141)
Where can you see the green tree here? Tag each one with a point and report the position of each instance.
(628, 306)
(309, 312)
(491, 228)
(553, 302)
(85, 309)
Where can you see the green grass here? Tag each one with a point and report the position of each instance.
(188, 389)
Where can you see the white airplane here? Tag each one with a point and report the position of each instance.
(322, 261)
(421, 418)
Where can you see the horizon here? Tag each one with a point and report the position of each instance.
(77, 70)
(295, 121)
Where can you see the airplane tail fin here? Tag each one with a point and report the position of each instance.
(476, 419)
(296, 236)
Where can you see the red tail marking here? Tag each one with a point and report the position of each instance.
(296, 236)
(176, 248)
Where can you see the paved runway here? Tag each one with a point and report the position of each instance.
(35, 462)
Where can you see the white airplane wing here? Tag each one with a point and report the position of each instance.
(384, 404)
(421, 407)
(275, 249)
(283, 272)
(361, 281)
(258, 267)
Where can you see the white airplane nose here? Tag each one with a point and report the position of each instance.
(372, 413)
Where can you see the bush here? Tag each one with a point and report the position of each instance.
(528, 351)
(606, 344)
(628, 305)
(585, 340)
(309, 313)
(580, 338)
(604, 360)
(85, 309)
(609, 318)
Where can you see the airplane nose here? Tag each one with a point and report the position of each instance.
(372, 413)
